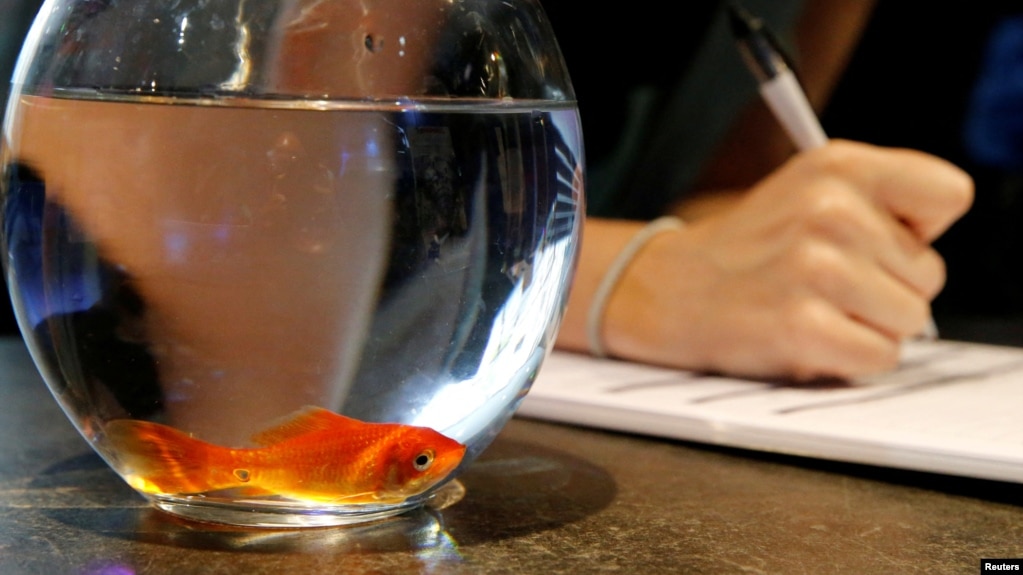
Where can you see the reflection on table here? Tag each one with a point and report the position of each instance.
(543, 499)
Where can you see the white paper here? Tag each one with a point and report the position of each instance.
(951, 407)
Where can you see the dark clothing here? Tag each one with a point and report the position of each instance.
(656, 93)
(15, 19)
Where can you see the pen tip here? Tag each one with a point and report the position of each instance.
(742, 22)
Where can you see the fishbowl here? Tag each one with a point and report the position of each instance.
(290, 262)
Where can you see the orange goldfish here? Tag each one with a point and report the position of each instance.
(317, 456)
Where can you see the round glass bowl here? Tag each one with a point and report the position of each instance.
(289, 263)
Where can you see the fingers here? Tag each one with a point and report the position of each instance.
(870, 215)
(821, 341)
(800, 337)
(858, 259)
(927, 193)
(861, 290)
(821, 270)
(916, 264)
(836, 213)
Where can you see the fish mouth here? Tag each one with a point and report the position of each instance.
(447, 462)
(443, 466)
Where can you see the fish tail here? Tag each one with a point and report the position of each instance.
(155, 458)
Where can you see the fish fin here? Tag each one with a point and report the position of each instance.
(156, 458)
(310, 419)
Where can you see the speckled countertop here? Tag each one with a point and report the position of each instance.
(543, 499)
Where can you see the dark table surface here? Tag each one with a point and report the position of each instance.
(543, 499)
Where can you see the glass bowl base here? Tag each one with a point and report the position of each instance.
(290, 515)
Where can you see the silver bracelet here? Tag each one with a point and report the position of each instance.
(595, 317)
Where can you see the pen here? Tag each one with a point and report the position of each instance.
(778, 84)
(781, 90)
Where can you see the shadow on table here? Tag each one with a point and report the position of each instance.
(514, 489)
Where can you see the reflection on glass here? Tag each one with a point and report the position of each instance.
(255, 246)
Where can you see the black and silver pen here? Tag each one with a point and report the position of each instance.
(778, 83)
(781, 90)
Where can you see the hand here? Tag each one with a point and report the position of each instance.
(822, 269)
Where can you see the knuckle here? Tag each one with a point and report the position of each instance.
(834, 214)
(838, 158)
(819, 263)
(804, 322)
(829, 207)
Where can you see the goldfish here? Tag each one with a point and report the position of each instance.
(317, 455)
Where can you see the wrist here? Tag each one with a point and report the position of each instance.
(613, 277)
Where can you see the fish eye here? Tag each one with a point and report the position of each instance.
(423, 461)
